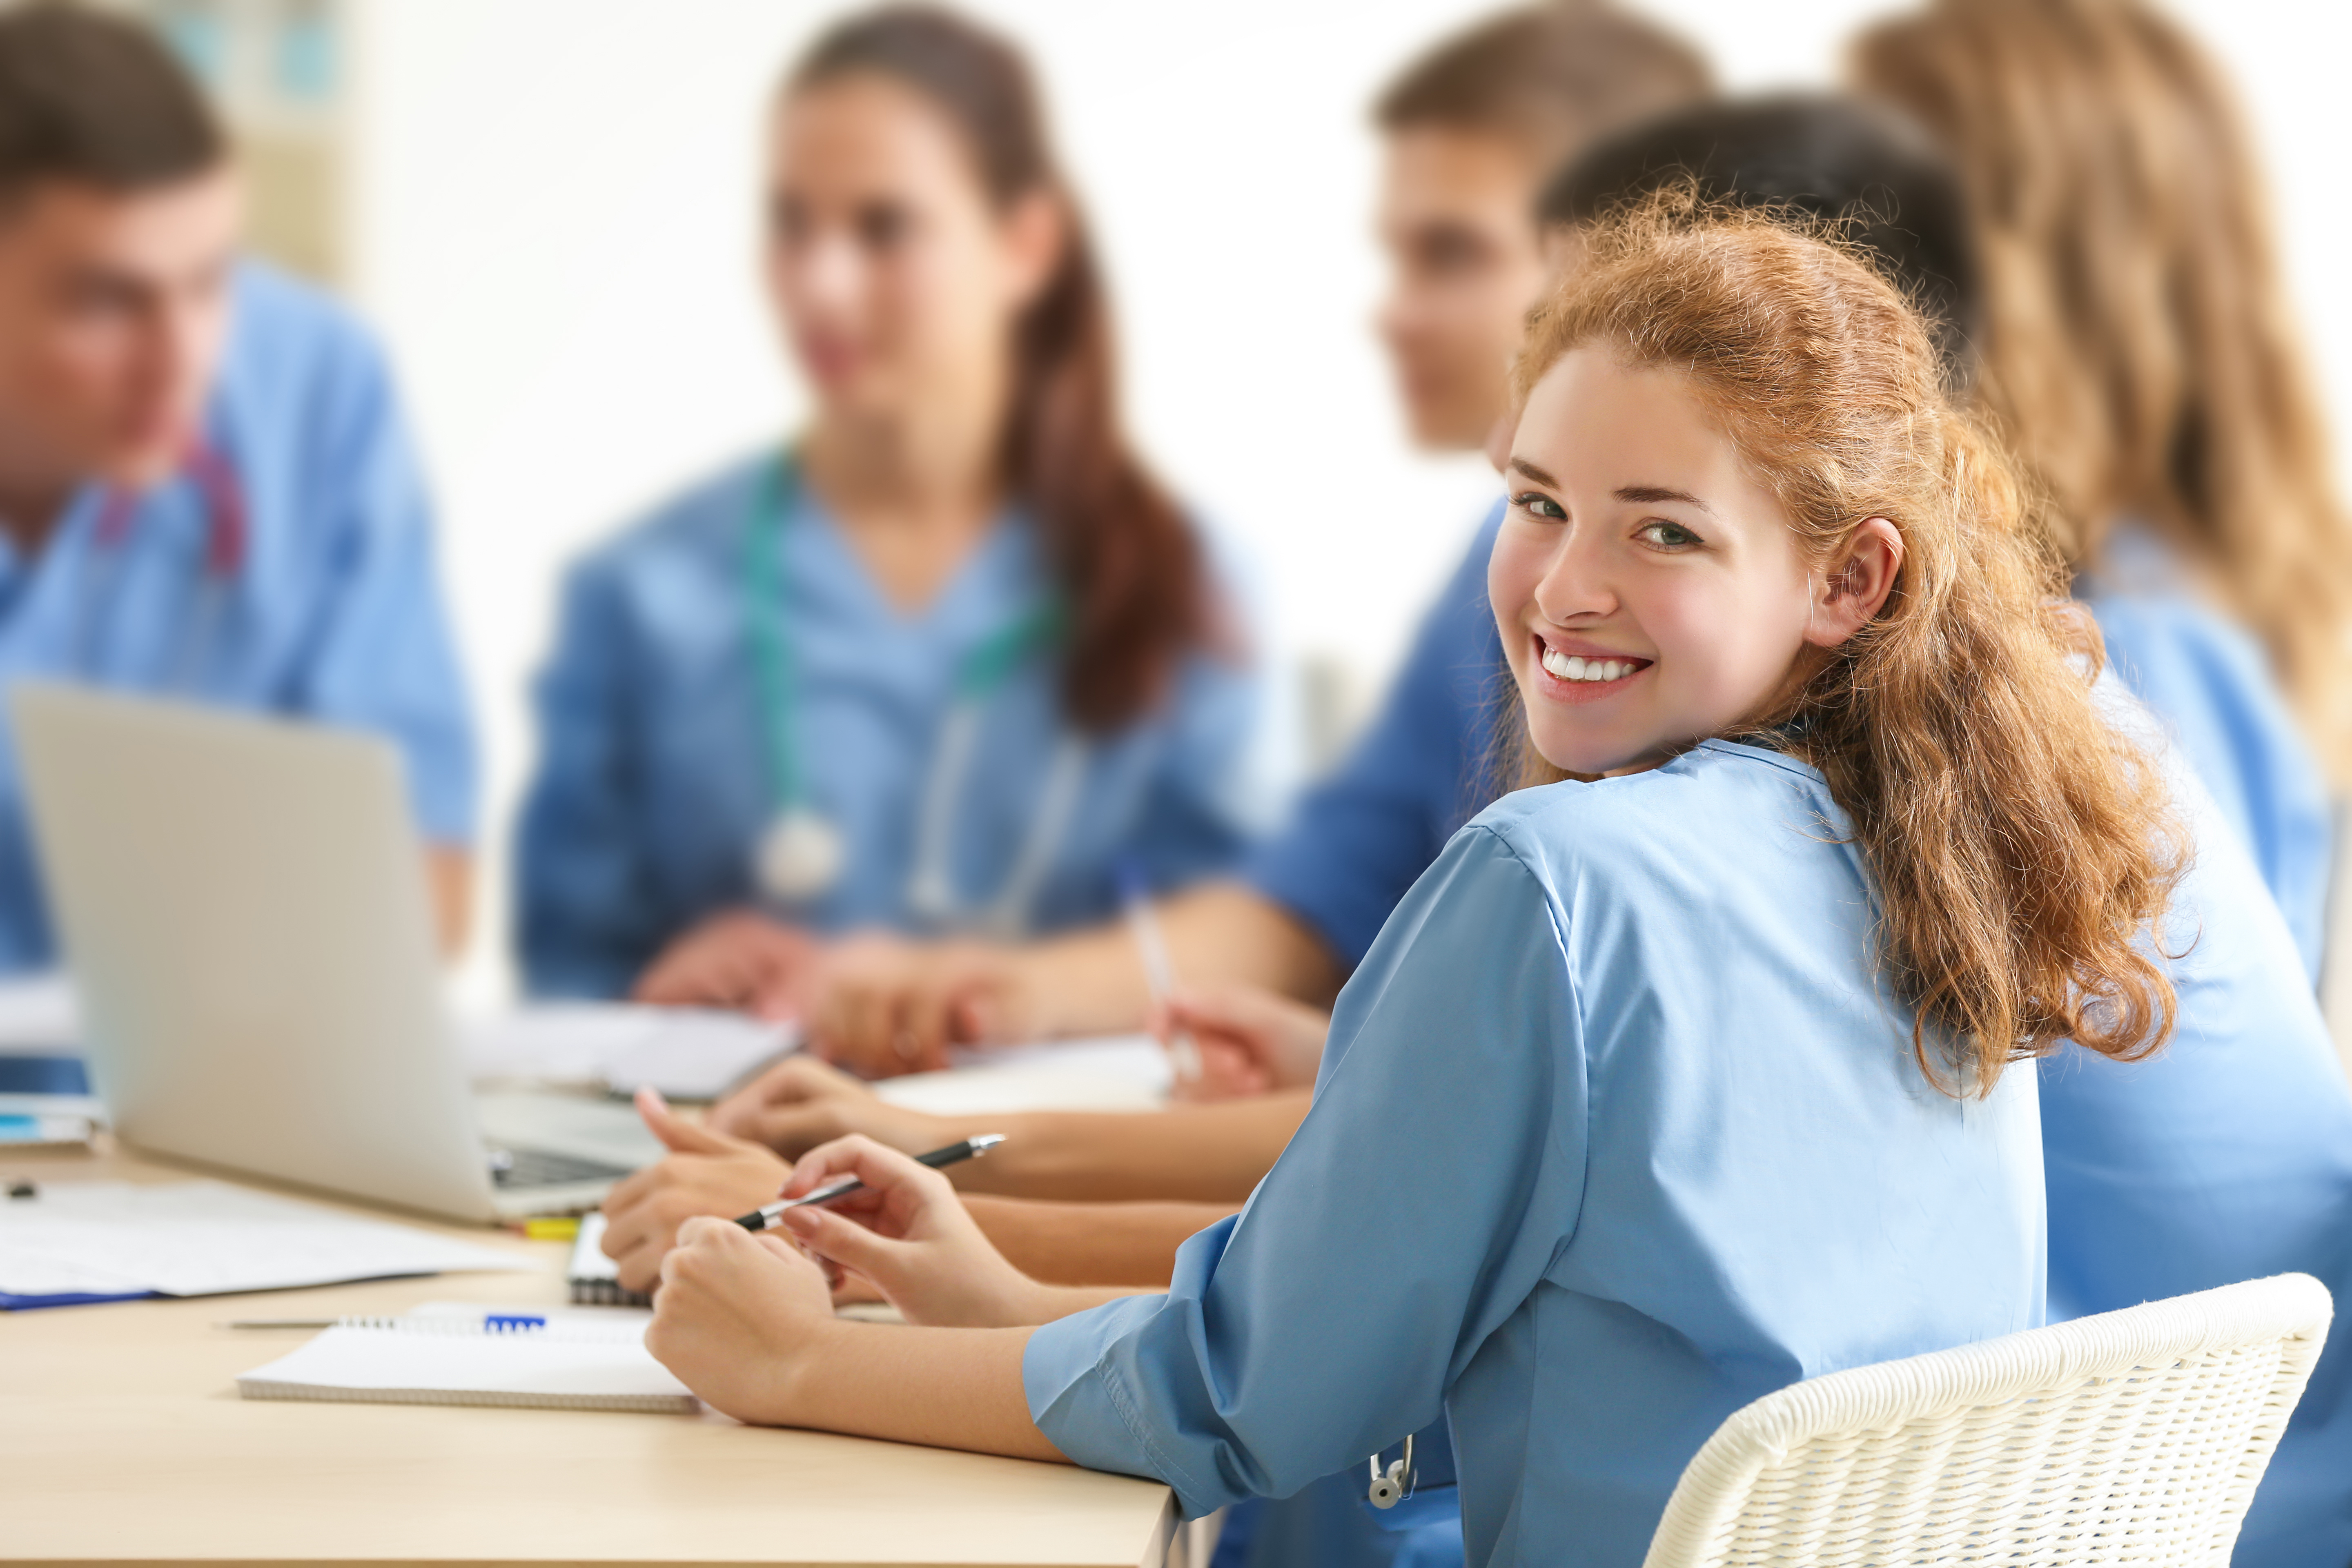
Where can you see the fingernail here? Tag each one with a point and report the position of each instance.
(802, 1220)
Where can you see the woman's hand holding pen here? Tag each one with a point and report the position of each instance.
(740, 1317)
(706, 1173)
(909, 1236)
(1251, 1041)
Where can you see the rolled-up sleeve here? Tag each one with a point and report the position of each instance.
(1428, 1191)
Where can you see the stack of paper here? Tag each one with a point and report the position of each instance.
(80, 1241)
(687, 1053)
(1116, 1072)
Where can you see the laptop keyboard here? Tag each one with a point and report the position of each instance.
(538, 1168)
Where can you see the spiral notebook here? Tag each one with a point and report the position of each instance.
(569, 1364)
(594, 1279)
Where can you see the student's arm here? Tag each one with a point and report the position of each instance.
(891, 1006)
(1119, 1244)
(1426, 1197)
(748, 1323)
(450, 880)
(585, 917)
(708, 1172)
(1196, 1153)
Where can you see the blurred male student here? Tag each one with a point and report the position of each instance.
(206, 488)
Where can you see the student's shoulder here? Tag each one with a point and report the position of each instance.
(701, 527)
(1701, 805)
(286, 333)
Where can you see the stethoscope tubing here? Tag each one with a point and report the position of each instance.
(228, 545)
(931, 890)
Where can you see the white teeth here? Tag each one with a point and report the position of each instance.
(1569, 666)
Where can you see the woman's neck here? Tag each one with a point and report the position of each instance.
(914, 496)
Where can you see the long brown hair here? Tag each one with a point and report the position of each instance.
(1129, 565)
(2020, 847)
(2139, 346)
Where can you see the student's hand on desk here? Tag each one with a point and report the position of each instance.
(738, 959)
(880, 1004)
(706, 1173)
(800, 1103)
(1252, 1041)
(737, 1316)
(909, 1235)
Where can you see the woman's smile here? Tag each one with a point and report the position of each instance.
(1575, 671)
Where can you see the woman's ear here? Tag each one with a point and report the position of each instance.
(1037, 231)
(1855, 589)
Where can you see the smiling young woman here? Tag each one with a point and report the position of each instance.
(1656, 1031)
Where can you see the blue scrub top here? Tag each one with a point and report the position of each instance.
(654, 783)
(1358, 840)
(2227, 1157)
(2212, 684)
(336, 615)
(1615, 1129)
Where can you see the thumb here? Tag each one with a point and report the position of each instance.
(847, 1243)
(678, 1135)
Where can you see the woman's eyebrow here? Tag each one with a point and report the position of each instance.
(1642, 495)
(1532, 472)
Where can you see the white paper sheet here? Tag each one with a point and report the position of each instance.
(687, 1053)
(204, 1238)
(1116, 1072)
(576, 1363)
(39, 1016)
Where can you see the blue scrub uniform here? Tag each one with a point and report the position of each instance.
(2215, 1164)
(654, 782)
(2212, 684)
(335, 615)
(2227, 1157)
(1358, 840)
(1615, 1128)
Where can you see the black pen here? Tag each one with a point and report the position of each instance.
(954, 1153)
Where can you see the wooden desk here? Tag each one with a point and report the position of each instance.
(123, 1441)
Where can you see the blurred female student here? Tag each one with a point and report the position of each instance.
(949, 661)
(2139, 345)
(1653, 1096)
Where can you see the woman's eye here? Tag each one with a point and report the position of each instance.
(1542, 506)
(1666, 535)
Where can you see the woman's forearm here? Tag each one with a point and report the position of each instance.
(1092, 982)
(1123, 1244)
(944, 1388)
(1192, 1153)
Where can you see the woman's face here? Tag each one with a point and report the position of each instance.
(1649, 591)
(895, 276)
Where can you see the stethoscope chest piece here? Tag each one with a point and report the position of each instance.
(801, 856)
(1393, 1486)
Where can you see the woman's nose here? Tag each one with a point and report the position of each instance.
(1576, 582)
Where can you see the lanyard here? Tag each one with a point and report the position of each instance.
(979, 674)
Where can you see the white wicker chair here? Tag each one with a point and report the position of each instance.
(2131, 1437)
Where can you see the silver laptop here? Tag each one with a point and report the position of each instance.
(242, 902)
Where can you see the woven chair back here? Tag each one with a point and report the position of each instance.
(2133, 1437)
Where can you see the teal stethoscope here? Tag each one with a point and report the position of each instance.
(802, 854)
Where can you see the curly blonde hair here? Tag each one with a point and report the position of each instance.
(2138, 347)
(2021, 848)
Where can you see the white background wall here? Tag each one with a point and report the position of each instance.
(556, 230)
